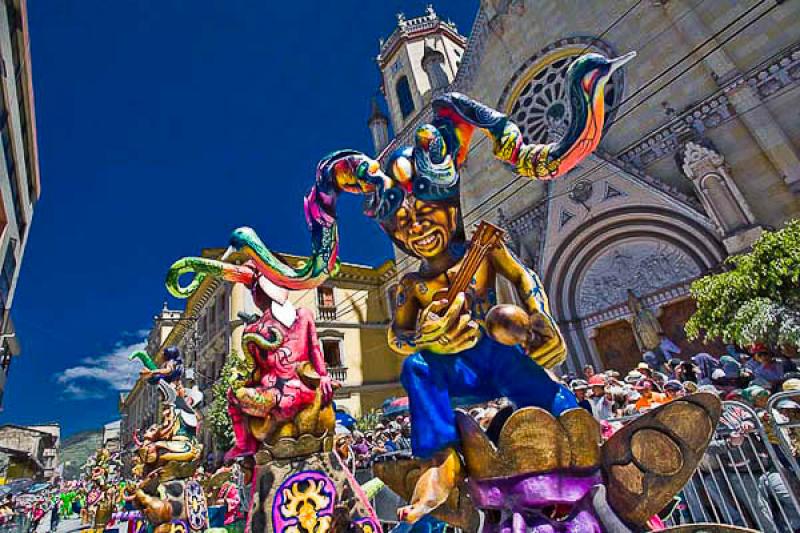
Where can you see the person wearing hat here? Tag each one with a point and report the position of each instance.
(690, 387)
(648, 371)
(756, 396)
(579, 388)
(601, 408)
(648, 399)
(644, 369)
(633, 377)
(791, 384)
(673, 390)
(767, 371)
(597, 384)
(787, 405)
(788, 412)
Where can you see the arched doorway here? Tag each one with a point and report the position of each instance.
(653, 251)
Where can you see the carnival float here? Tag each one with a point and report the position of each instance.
(540, 466)
(165, 492)
(101, 482)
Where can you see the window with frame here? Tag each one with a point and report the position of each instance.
(404, 97)
(325, 297)
(332, 351)
(7, 272)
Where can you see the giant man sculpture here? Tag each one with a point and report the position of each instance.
(452, 352)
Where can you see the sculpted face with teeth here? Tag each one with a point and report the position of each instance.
(424, 228)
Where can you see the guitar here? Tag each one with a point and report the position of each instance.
(486, 238)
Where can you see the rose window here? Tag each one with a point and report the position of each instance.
(542, 108)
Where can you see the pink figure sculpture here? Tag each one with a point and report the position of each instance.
(289, 375)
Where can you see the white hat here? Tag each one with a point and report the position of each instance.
(275, 293)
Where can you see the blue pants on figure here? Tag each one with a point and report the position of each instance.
(489, 370)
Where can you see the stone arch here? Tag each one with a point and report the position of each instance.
(723, 203)
(677, 235)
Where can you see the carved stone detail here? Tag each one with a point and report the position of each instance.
(527, 232)
(641, 266)
(719, 195)
(767, 80)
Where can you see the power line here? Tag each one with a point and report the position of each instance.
(717, 46)
(618, 120)
(655, 78)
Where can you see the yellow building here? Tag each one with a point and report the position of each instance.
(352, 316)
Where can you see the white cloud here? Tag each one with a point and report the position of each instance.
(97, 376)
(76, 392)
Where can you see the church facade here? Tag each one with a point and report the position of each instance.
(701, 151)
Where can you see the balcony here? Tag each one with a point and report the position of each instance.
(326, 313)
(338, 373)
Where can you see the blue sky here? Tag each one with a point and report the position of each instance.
(163, 125)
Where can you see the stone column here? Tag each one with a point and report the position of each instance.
(720, 196)
(744, 99)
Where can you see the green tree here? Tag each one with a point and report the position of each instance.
(757, 299)
(234, 372)
(369, 420)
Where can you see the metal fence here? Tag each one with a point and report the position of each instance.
(745, 478)
(749, 476)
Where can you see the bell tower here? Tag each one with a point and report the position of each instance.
(419, 59)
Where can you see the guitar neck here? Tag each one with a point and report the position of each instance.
(485, 239)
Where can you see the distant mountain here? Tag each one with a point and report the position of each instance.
(76, 449)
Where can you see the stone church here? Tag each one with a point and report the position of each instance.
(701, 151)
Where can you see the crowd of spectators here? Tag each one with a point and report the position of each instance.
(25, 512)
(750, 376)
(360, 447)
(739, 481)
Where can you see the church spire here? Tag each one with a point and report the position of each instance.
(378, 125)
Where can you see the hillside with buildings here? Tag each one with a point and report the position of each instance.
(76, 449)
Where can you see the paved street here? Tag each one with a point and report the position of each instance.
(65, 526)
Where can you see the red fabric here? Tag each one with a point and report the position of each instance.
(278, 369)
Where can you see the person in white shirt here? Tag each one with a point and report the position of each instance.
(602, 401)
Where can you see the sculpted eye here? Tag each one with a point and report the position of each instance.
(401, 218)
